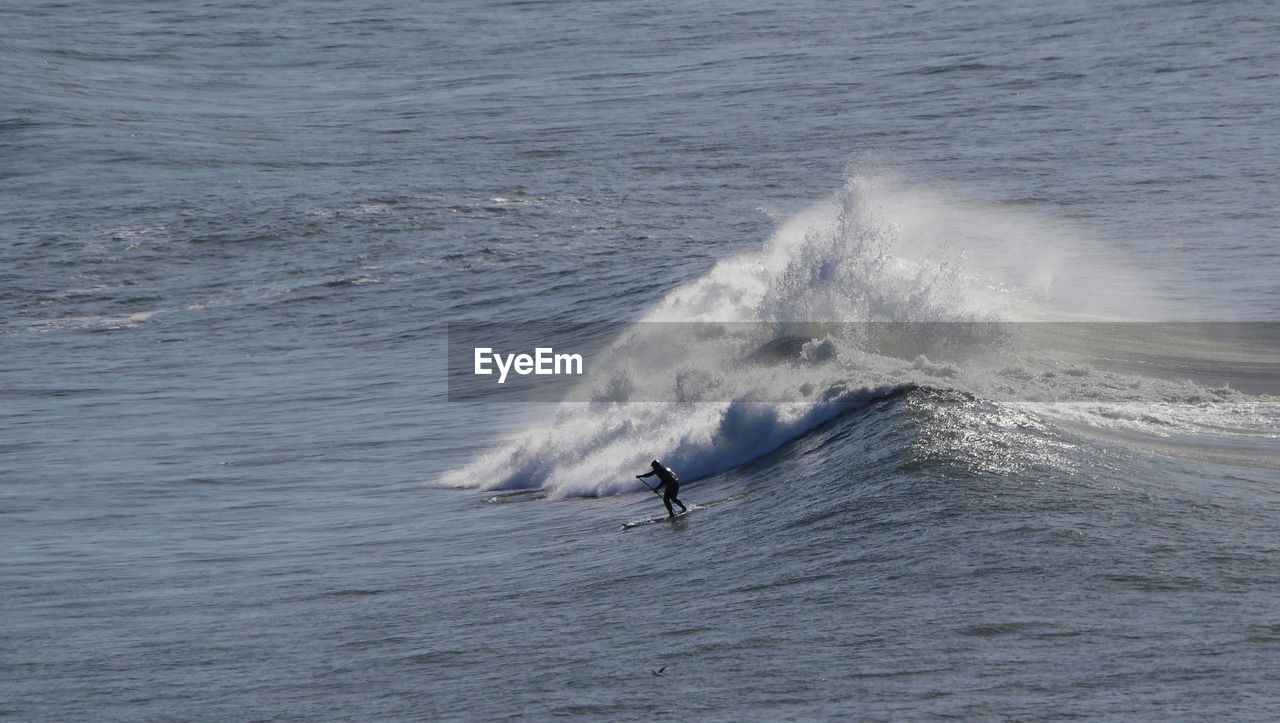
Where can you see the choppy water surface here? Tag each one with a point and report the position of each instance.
(231, 485)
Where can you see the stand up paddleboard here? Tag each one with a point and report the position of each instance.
(690, 509)
(661, 518)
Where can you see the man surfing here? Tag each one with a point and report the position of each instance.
(670, 481)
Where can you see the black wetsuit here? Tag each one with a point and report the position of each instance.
(672, 484)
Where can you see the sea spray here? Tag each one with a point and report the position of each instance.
(872, 252)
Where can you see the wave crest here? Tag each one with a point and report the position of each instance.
(873, 251)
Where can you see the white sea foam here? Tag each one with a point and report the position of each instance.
(873, 252)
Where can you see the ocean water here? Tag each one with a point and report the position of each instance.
(234, 236)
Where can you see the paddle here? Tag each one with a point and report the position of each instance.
(651, 489)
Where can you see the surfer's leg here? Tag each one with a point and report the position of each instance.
(670, 512)
(671, 495)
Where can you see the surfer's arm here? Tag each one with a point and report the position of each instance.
(647, 474)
